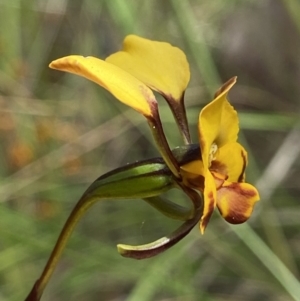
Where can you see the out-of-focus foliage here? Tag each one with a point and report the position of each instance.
(59, 132)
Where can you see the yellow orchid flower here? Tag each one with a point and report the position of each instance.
(215, 167)
(220, 173)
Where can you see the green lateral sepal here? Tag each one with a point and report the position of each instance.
(162, 244)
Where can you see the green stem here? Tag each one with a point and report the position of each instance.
(80, 209)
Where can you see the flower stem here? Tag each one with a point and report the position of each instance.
(79, 210)
(179, 113)
(162, 143)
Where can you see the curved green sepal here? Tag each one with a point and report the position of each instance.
(162, 244)
(170, 209)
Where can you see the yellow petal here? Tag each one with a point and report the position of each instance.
(231, 160)
(218, 122)
(118, 82)
(235, 201)
(193, 176)
(209, 195)
(159, 65)
(229, 126)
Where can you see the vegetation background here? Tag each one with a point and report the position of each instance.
(59, 132)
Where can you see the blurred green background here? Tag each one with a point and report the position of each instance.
(59, 132)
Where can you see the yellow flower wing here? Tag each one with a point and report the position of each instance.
(235, 201)
(218, 122)
(118, 82)
(159, 65)
(231, 160)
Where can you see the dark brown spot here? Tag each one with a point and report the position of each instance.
(211, 196)
(236, 218)
(241, 177)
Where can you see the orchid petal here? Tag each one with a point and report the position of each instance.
(209, 195)
(229, 126)
(159, 65)
(121, 84)
(214, 122)
(231, 160)
(235, 201)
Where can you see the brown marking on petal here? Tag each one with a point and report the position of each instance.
(205, 219)
(149, 97)
(249, 193)
(196, 182)
(219, 167)
(236, 218)
(242, 175)
(239, 212)
(225, 86)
